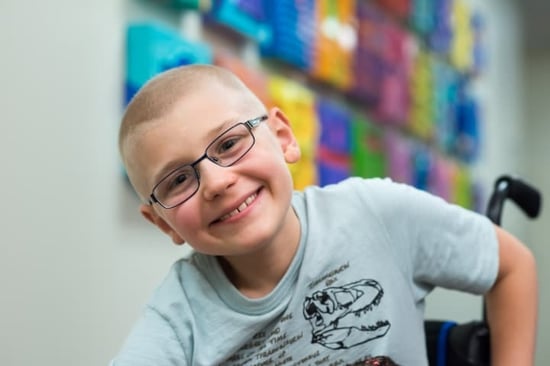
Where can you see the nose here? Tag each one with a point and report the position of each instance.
(214, 179)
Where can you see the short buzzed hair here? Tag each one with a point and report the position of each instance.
(160, 95)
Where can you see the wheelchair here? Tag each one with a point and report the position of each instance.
(468, 344)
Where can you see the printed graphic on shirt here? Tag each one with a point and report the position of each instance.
(271, 347)
(343, 317)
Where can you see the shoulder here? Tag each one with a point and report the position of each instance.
(391, 201)
(356, 190)
(359, 197)
(351, 186)
(172, 288)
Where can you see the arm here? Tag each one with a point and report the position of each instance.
(512, 304)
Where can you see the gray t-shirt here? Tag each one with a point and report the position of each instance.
(369, 253)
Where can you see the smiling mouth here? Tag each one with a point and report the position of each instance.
(239, 209)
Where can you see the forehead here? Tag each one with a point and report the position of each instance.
(202, 114)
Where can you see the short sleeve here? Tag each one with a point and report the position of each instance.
(438, 243)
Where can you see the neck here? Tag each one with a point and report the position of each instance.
(256, 275)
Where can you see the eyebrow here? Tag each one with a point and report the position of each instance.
(176, 163)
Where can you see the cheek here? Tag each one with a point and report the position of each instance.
(271, 159)
(274, 168)
(186, 220)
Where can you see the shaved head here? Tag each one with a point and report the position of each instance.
(159, 96)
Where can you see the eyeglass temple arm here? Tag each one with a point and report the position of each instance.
(255, 122)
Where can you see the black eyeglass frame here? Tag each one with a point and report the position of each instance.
(250, 124)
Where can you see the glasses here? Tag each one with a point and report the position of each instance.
(227, 149)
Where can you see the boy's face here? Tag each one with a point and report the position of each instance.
(259, 184)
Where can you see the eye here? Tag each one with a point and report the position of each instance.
(179, 179)
(229, 145)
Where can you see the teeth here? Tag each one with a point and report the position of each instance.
(241, 207)
(250, 199)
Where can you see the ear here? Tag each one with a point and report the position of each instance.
(153, 217)
(280, 125)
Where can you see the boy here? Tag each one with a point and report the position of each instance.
(328, 276)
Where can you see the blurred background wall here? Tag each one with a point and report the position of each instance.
(78, 262)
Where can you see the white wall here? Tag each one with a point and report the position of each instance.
(77, 261)
(537, 117)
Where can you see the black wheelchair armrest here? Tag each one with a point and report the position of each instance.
(451, 344)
